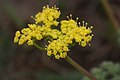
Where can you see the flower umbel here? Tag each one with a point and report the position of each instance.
(48, 16)
(59, 40)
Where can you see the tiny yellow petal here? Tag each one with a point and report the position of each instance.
(30, 42)
(57, 57)
(17, 34)
(83, 44)
(16, 39)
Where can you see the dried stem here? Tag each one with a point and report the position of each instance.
(110, 14)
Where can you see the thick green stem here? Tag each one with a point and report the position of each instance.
(79, 68)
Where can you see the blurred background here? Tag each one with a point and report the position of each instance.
(28, 63)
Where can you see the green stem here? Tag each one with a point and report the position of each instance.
(40, 48)
(73, 63)
(79, 68)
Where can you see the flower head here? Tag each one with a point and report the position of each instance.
(59, 39)
(57, 48)
(48, 16)
(28, 34)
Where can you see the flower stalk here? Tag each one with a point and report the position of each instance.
(37, 46)
(70, 31)
(74, 64)
(80, 68)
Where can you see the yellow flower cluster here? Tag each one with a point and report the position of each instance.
(46, 19)
(70, 32)
(58, 48)
(79, 33)
(60, 39)
(28, 34)
(48, 16)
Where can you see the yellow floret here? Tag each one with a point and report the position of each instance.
(63, 55)
(17, 34)
(48, 16)
(32, 26)
(26, 31)
(21, 41)
(30, 42)
(83, 43)
(68, 25)
(57, 56)
(16, 39)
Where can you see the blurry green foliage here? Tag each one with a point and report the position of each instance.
(53, 76)
(106, 71)
(118, 35)
(12, 12)
(7, 48)
(42, 75)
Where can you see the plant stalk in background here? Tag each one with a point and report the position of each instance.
(110, 14)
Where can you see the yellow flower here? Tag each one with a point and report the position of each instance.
(57, 56)
(56, 48)
(21, 41)
(26, 31)
(28, 34)
(63, 55)
(48, 16)
(79, 33)
(16, 39)
(61, 38)
(54, 33)
(68, 25)
(83, 43)
(30, 42)
(17, 34)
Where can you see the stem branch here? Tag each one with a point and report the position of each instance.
(37, 46)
